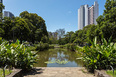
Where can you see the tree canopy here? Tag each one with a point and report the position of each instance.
(26, 27)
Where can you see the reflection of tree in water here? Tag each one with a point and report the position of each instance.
(71, 56)
(57, 53)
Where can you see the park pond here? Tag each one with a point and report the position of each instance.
(58, 57)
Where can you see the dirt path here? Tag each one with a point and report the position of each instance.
(59, 72)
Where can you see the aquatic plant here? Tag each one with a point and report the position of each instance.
(57, 61)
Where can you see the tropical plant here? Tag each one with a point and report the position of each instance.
(99, 56)
(16, 55)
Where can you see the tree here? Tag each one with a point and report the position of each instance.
(68, 36)
(52, 37)
(21, 29)
(1, 32)
(107, 21)
(91, 32)
(38, 34)
(61, 33)
(1, 8)
(36, 24)
(7, 26)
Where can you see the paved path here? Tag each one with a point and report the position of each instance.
(59, 72)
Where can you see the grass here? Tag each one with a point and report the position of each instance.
(110, 72)
(6, 72)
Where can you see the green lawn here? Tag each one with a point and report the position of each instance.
(6, 72)
(110, 72)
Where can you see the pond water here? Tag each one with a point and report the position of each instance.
(58, 54)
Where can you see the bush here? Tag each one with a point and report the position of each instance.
(63, 46)
(42, 46)
(31, 48)
(0, 40)
(16, 55)
(71, 46)
(51, 46)
(78, 48)
(99, 56)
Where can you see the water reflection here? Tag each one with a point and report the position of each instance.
(61, 54)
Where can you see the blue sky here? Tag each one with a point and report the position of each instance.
(57, 13)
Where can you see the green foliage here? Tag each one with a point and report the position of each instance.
(63, 46)
(36, 24)
(16, 55)
(27, 27)
(31, 48)
(51, 46)
(57, 61)
(71, 46)
(7, 72)
(1, 8)
(79, 49)
(0, 40)
(52, 37)
(61, 41)
(41, 46)
(110, 72)
(99, 56)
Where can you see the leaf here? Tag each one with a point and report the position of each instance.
(95, 61)
(95, 41)
(79, 58)
(98, 56)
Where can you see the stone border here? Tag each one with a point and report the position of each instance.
(16, 73)
(101, 73)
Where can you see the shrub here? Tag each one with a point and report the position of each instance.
(63, 46)
(42, 46)
(0, 40)
(99, 56)
(31, 48)
(16, 55)
(51, 46)
(71, 46)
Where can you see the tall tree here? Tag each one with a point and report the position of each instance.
(1, 8)
(107, 22)
(36, 24)
(61, 33)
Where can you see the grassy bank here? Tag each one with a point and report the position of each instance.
(110, 72)
(7, 72)
(40, 47)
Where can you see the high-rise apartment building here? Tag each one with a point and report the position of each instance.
(8, 14)
(87, 15)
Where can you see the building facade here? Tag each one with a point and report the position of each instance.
(8, 14)
(87, 15)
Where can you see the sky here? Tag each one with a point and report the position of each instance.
(58, 14)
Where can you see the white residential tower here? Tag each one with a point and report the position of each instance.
(87, 15)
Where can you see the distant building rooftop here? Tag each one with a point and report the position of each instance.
(8, 14)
